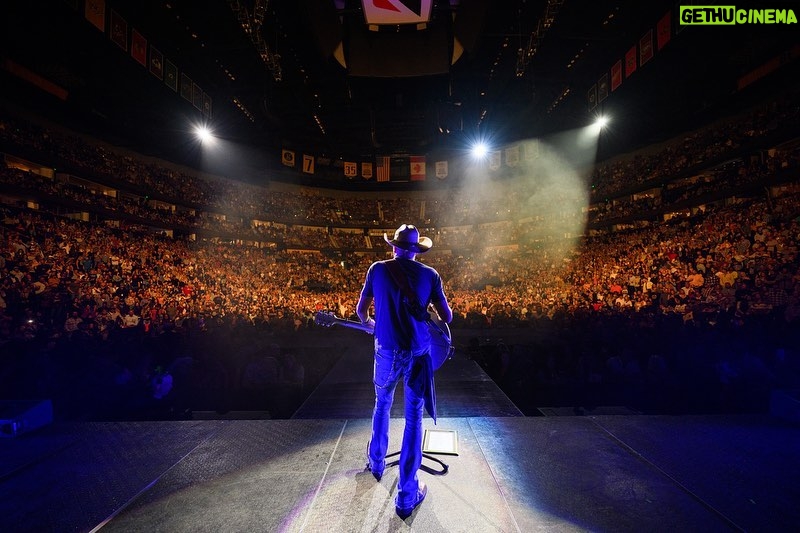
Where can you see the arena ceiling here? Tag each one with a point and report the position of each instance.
(313, 75)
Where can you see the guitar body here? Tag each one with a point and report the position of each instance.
(441, 348)
(441, 342)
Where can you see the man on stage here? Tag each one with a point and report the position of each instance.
(402, 342)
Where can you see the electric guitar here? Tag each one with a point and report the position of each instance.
(442, 347)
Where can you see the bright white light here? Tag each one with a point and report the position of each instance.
(601, 122)
(479, 150)
(204, 134)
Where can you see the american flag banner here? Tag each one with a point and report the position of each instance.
(382, 168)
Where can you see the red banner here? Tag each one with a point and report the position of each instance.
(139, 47)
(616, 75)
(95, 12)
(664, 30)
(417, 166)
(630, 62)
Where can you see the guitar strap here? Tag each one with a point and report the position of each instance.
(417, 311)
(401, 280)
(422, 371)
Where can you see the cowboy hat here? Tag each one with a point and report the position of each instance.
(407, 237)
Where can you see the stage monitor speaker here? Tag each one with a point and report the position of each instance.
(21, 416)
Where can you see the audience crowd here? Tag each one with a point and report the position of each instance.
(617, 309)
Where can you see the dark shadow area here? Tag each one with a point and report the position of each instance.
(653, 365)
(227, 371)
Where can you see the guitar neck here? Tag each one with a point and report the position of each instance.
(355, 325)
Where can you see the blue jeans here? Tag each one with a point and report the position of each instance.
(390, 366)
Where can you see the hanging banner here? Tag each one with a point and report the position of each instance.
(531, 149)
(417, 167)
(156, 63)
(171, 75)
(494, 159)
(646, 47)
(664, 30)
(630, 61)
(308, 164)
(366, 170)
(138, 47)
(383, 166)
(512, 156)
(350, 169)
(602, 88)
(287, 157)
(197, 96)
(206, 105)
(616, 75)
(186, 87)
(95, 12)
(441, 169)
(119, 30)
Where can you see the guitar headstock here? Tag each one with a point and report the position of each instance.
(325, 318)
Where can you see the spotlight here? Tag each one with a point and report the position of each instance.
(204, 134)
(479, 150)
(601, 122)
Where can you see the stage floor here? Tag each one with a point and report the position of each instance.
(512, 473)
